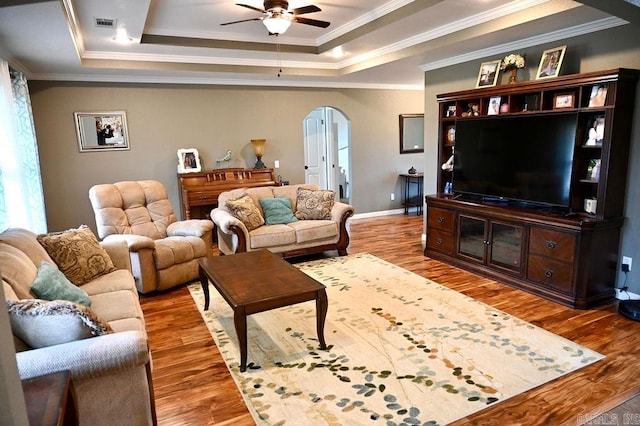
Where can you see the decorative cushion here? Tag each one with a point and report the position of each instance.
(51, 284)
(78, 254)
(246, 211)
(41, 323)
(314, 204)
(277, 210)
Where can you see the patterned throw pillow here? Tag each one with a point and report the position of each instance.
(277, 210)
(51, 284)
(78, 254)
(314, 204)
(245, 211)
(42, 323)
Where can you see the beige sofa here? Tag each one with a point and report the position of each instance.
(292, 239)
(111, 372)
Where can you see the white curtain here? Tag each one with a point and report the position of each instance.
(21, 195)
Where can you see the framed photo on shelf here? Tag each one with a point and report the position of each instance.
(598, 95)
(189, 161)
(563, 100)
(550, 62)
(595, 131)
(488, 75)
(593, 170)
(494, 105)
(451, 135)
(451, 111)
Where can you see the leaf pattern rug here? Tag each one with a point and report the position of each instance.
(402, 350)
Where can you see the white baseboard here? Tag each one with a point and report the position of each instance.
(385, 213)
(377, 214)
(623, 295)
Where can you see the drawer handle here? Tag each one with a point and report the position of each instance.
(439, 241)
(440, 219)
(548, 273)
(551, 244)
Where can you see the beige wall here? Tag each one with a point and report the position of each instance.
(614, 48)
(164, 118)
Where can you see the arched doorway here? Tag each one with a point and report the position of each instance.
(327, 151)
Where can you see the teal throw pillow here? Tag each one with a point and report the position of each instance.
(51, 284)
(277, 210)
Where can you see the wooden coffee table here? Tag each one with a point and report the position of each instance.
(258, 281)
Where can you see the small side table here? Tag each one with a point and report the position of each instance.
(416, 200)
(50, 399)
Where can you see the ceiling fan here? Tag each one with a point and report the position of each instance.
(277, 18)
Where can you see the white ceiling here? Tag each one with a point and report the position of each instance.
(387, 43)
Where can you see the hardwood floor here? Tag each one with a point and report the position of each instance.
(193, 386)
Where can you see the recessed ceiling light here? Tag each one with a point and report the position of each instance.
(122, 36)
(337, 52)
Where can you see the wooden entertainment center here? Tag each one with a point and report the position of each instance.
(571, 256)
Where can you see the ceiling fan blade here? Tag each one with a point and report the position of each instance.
(305, 9)
(242, 20)
(314, 22)
(248, 6)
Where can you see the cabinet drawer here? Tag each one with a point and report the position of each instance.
(556, 244)
(440, 241)
(551, 272)
(440, 218)
(202, 198)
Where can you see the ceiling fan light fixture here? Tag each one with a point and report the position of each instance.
(276, 24)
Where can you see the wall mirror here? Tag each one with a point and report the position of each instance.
(102, 131)
(411, 133)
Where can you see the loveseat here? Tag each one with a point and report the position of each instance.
(110, 372)
(319, 223)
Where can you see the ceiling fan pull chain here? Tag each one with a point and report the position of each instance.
(278, 49)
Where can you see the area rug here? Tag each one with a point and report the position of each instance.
(402, 350)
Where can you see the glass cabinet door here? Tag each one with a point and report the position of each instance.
(472, 237)
(505, 246)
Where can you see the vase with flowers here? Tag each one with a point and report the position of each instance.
(513, 63)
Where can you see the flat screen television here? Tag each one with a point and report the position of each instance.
(519, 159)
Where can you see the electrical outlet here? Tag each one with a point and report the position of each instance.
(393, 196)
(626, 264)
(276, 164)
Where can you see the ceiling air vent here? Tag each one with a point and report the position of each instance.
(105, 23)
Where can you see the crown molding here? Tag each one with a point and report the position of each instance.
(279, 82)
(444, 30)
(578, 30)
(362, 20)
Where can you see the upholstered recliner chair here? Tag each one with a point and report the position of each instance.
(164, 251)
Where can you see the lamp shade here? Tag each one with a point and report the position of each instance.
(258, 146)
(258, 150)
(276, 24)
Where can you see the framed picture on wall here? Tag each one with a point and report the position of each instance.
(102, 131)
(189, 161)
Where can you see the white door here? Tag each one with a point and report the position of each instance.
(327, 151)
(315, 143)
